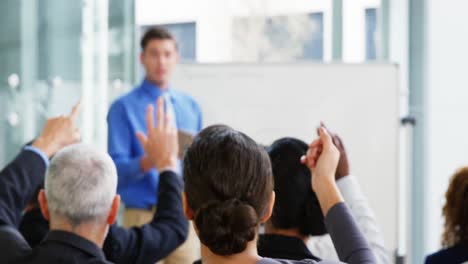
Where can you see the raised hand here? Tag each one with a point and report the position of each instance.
(59, 132)
(322, 159)
(161, 144)
(343, 164)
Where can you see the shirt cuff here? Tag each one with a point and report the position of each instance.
(173, 169)
(342, 182)
(38, 152)
(350, 188)
(177, 169)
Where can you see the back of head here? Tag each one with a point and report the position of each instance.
(228, 184)
(455, 209)
(81, 184)
(296, 205)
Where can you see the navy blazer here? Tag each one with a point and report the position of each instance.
(456, 254)
(147, 244)
(283, 247)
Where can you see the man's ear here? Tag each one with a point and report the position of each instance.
(114, 211)
(41, 197)
(187, 210)
(269, 209)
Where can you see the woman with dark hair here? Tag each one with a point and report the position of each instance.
(455, 211)
(229, 193)
(297, 214)
(296, 229)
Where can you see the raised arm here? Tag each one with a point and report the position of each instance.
(20, 178)
(364, 216)
(322, 158)
(168, 229)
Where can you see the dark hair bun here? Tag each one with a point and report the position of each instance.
(226, 227)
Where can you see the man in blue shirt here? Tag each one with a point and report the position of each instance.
(137, 177)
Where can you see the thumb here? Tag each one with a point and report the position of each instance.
(325, 137)
(141, 138)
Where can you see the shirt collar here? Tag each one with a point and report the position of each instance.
(76, 241)
(152, 89)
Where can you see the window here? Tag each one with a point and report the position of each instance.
(371, 31)
(278, 38)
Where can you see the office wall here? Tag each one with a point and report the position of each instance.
(447, 95)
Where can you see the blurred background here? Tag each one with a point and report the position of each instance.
(53, 52)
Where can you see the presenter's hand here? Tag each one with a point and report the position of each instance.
(59, 132)
(161, 144)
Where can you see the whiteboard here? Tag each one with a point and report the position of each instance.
(269, 101)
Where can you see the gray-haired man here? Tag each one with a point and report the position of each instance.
(81, 203)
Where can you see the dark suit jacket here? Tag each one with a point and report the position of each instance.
(34, 227)
(58, 247)
(452, 255)
(137, 245)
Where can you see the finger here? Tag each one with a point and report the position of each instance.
(175, 135)
(325, 137)
(77, 136)
(315, 143)
(335, 142)
(75, 111)
(141, 138)
(149, 118)
(307, 161)
(161, 113)
(314, 155)
(339, 142)
(174, 131)
(322, 124)
(167, 122)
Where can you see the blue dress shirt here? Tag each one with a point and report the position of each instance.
(126, 117)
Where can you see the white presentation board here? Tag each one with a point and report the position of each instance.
(269, 101)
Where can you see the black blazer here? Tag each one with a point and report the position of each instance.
(452, 255)
(283, 247)
(147, 244)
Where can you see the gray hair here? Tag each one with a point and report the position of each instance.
(80, 184)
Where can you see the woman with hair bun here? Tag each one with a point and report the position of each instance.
(229, 193)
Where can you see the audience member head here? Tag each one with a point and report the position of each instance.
(296, 206)
(159, 55)
(80, 189)
(228, 189)
(455, 209)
